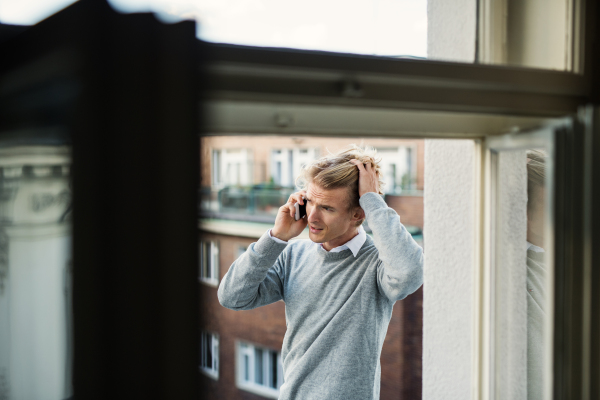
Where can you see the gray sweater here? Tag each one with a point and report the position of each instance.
(337, 306)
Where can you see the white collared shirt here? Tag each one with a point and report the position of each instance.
(353, 244)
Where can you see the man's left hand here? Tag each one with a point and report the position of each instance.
(368, 181)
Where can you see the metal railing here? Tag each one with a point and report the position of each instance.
(259, 203)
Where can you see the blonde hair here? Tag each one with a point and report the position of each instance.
(336, 171)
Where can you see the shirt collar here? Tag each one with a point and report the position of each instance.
(353, 244)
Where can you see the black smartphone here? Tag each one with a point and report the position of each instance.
(300, 210)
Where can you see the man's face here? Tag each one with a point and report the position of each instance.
(330, 221)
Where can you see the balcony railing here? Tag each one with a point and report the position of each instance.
(260, 203)
(255, 203)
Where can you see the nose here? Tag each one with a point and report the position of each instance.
(312, 214)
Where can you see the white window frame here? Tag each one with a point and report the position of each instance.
(225, 159)
(245, 349)
(213, 268)
(399, 159)
(216, 167)
(290, 168)
(213, 370)
(485, 332)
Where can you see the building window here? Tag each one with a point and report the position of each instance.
(287, 163)
(209, 262)
(232, 167)
(399, 166)
(209, 354)
(259, 370)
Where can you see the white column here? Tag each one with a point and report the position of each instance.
(451, 30)
(35, 252)
(448, 286)
(449, 225)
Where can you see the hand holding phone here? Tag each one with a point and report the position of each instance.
(300, 210)
(289, 222)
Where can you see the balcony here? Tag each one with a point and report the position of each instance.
(253, 208)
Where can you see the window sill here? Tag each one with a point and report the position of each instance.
(210, 373)
(259, 390)
(209, 282)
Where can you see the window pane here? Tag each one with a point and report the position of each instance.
(246, 368)
(522, 266)
(273, 367)
(202, 352)
(258, 366)
(379, 27)
(205, 259)
(216, 353)
(208, 349)
(30, 12)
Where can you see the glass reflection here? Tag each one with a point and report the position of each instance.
(520, 275)
(536, 272)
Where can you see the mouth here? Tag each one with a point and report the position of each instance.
(314, 230)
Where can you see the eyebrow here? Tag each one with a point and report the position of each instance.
(319, 204)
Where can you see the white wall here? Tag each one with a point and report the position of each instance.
(449, 225)
(451, 30)
(448, 287)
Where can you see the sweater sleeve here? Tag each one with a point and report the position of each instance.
(256, 278)
(400, 267)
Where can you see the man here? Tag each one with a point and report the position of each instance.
(339, 287)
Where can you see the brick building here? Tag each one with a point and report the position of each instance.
(240, 350)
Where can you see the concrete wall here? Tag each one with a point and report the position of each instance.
(448, 286)
(449, 224)
(451, 30)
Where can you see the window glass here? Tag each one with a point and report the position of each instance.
(30, 12)
(521, 283)
(378, 27)
(258, 366)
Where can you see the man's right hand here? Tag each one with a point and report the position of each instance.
(286, 227)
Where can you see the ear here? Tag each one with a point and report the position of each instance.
(358, 214)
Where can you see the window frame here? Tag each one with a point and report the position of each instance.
(212, 372)
(213, 259)
(486, 274)
(252, 87)
(244, 348)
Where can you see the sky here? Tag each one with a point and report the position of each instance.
(377, 27)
